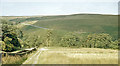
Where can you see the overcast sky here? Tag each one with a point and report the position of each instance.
(57, 7)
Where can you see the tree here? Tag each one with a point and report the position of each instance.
(9, 36)
(48, 38)
(70, 40)
(20, 34)
(99, 41)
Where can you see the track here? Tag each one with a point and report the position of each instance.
(34, 26)
(35, 57)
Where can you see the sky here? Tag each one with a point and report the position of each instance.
(57, 7)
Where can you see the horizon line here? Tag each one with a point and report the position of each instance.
(61, 14)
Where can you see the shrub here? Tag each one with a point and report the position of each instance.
(69, 40)
(114, 45)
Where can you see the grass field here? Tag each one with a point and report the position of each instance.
(60, 55)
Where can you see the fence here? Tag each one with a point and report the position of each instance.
(19, 52)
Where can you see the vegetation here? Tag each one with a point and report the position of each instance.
(81, 23)
(11, 41)
(13, 59)
(53, 38)
(88, 30)
(73, 31)
(9, 37)
(101, 41)
(70, 40)
(92, 41)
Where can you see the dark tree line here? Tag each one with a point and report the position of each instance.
(101, 40)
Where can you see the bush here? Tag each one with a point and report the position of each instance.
(70, 40)
(114, 45)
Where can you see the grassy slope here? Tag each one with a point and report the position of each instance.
(77, 23)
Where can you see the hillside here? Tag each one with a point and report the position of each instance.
(87, 23)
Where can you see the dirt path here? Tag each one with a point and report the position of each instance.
(34, 58)
(34, 26)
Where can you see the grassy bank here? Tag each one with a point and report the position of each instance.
(14, 59)
(17, 59)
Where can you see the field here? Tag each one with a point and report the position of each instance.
(60, 55)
